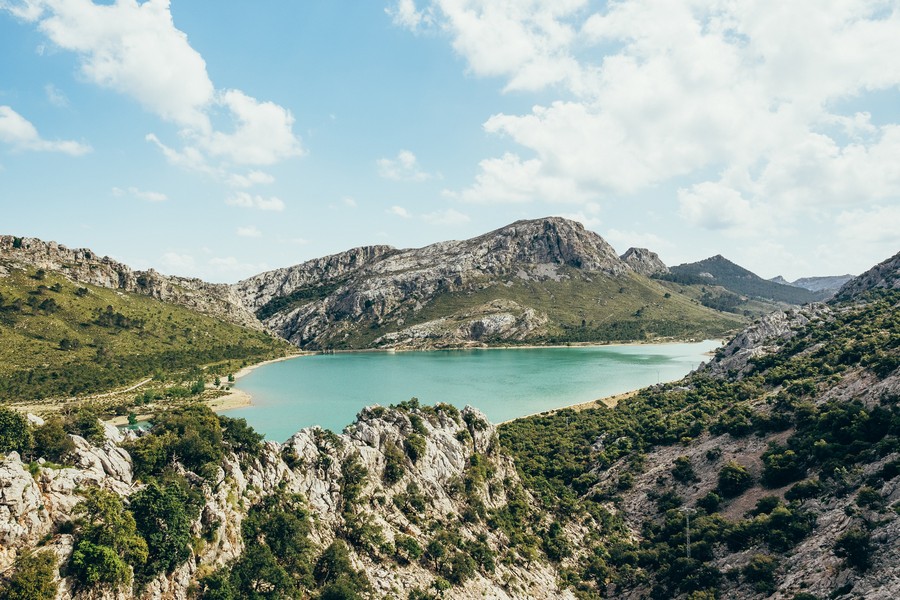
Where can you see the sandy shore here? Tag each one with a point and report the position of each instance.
(609, 401)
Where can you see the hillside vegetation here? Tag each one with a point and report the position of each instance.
(786, 462)
(719, 271)
(59, 338)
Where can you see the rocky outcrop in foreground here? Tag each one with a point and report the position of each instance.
(395, 475)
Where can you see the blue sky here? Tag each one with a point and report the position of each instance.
(222, 140)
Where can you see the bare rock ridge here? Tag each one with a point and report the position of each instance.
(35, 505)
(83, 266)
(884, 275)
(323, 301)
(644, 261)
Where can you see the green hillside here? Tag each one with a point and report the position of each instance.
(719, 271)
(579, 308)
(60, 339)
(757, 460)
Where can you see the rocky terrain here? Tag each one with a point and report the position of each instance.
(457, 476)
(826, 285)
(883, 276)
(528, 281)
(644, 261)
(83, 266)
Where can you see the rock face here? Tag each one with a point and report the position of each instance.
(644, 261)
(326, 299)
(885, 275)
(32, 507)
(764, 336)
(83, 266)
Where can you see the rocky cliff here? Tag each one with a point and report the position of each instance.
(395, 481)
(644, 261)
(509, 285)
(83, 266)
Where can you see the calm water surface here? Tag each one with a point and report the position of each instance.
(329, 390)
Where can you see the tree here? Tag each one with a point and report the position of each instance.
(734, 479)
(15, 434)
(161, 516)
(107, 542)
(33, 579)
(51, 440)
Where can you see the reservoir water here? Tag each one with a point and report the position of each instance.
(329, 390)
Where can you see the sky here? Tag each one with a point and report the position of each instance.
(219, 140)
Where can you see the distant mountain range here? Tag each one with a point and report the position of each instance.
(826, 285)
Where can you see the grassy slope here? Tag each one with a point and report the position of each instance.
(156, 338)
(628, 307)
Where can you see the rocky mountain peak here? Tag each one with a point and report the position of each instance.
(553, 240)
(645, 262)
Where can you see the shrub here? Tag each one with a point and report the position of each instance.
(86, 423)
(415, 447)
(33, 578)
(760, 573)
(239, 436)
(808, 488)
(163, 516)
(781, 466)
(393, 464)
(855, 547)
(15, 433)
(734, 479)
(51, 440)
(683, 471)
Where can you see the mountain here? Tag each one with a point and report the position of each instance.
(84, 266)
(644, 261)
(541, 281)
(719, 271)
(772, 471)
(883, 276)
(828, 285)
(72, 324)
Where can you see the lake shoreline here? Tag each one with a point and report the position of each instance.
(538, 394)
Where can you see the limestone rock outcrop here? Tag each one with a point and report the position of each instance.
(644, 261)
(84, 266)
(327, 298)
(35, 502)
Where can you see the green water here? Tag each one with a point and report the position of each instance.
(329, 390)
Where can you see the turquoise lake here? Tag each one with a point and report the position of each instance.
(329, 390)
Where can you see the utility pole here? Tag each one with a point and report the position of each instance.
(687, 531)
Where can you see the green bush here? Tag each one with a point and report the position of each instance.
(760, 573)
(15, 432)
(33, 578)
(415, 445)
(855, 547)
(163, 516)
(734, 479)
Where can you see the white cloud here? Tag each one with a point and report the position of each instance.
(879, 225)
(404, 167)
(140, 194)
(399, 211)
(18, 132)
(715, 206)
(349, 202)
(231, 267)
(447, 216)
(509, 179)
(249, 231)
(739, 104)
(135, 49)
(245, 200)
(405, 14)
(55, 96)
(263, 134)
(251, 179)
